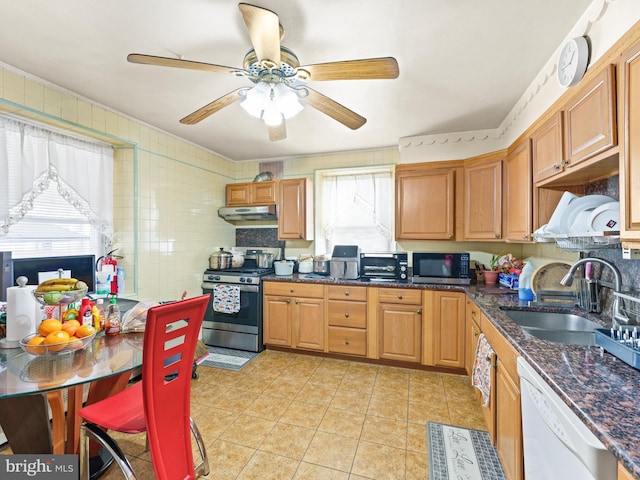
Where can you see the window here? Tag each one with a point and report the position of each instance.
(53, 228)
(355, 206)
(58, 195)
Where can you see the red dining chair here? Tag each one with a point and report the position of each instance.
(159, 404)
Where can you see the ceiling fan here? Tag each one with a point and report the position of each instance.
(280, 81)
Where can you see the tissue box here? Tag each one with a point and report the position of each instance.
(509, 280)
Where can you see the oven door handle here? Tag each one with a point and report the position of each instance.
(243, 288)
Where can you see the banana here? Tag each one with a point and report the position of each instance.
(54, 288)
(60, 281)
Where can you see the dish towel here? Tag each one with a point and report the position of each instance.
(481, 376)
(226, 298)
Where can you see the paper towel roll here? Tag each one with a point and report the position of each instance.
(21, 312)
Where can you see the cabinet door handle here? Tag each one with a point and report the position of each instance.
(497, 235)
(291, 290)
(419, 311)
(475, 334)
(296, 301)
(564, 163)
(556, 168)
(399, 297)
(288, 300)
(346, 315)
(346, 293)
(346, 341)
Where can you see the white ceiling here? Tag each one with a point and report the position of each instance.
(463, 63)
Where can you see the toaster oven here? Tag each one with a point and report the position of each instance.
(384, 267)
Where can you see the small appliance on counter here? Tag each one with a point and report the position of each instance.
(384, 267)
(322, 265)
(440, 267)
(345, 262)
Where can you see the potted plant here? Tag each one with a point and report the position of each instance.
(491, 275)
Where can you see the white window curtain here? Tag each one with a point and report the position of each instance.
(356, 209)
(32, 158)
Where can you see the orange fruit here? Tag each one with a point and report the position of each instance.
(70, 328)
(49, 326)
(34, 346)
(56, 341)
(85, 330)
(73, 322)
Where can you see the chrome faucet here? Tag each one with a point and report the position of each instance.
(617, 314)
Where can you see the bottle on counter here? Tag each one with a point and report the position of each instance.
(85, 315)
(524, 283)
(112, 323)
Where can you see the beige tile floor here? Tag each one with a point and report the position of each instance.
(293, 416)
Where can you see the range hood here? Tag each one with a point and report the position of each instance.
(258, 212)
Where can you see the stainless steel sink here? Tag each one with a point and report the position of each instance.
(555, 326)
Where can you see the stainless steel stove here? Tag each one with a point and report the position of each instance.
(234, 316)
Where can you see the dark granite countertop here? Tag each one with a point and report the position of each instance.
(603, 391)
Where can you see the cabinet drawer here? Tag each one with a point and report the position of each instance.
(400, 295)
(347, 293)
(351, 341)
(348, 314)
(294, 289)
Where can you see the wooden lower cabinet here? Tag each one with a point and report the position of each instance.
(623, 473)
(507, 411)
(293, 315)
(509, 424)
(399, 323)
(472, 332)
(347, 320)
(448, 329)
(400, 328)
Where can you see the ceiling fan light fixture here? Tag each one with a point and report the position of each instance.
(272, 102)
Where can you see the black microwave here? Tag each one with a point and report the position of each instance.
(447, 268)
(384, 267)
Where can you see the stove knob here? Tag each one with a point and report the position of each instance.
(242, 279)
(213, 277)
(249, 280)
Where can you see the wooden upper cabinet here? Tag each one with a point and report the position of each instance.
(295, 210)
(547, 148)
(629, 71)
(264, 193)
(483, 200)
(238, 194)
(591, 118)
(251, 193)
(425, 203)
(518, 194)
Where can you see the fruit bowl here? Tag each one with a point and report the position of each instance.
(55, 348)
(60, 298)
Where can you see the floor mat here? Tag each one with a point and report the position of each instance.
(226, 358)
(460, 453)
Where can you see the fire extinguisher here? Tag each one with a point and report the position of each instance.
(110, 259)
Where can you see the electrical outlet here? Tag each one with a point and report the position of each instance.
(630, 254)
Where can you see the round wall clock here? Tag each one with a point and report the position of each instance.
(573, 60)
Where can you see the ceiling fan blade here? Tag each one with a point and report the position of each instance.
(333, 109)
(364, 69)
(178, 63)
(212, 107)
(278, 133)
(264, 30)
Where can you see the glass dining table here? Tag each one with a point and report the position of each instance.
(32, 400)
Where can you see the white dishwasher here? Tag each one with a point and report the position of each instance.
(557, 445)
